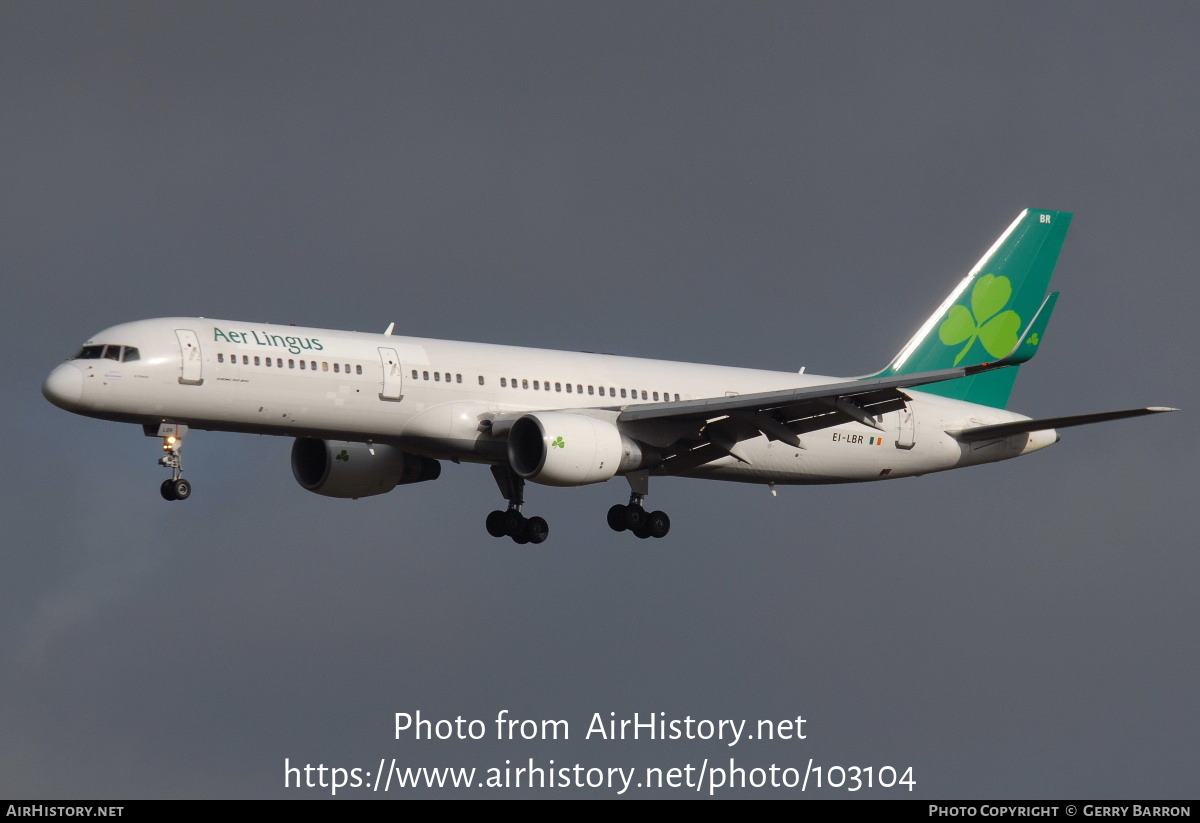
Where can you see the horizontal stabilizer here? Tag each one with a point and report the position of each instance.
(1021, 426)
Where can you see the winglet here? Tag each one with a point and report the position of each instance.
(1028, 342)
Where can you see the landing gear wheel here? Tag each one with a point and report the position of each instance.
(521, 535)
(642, 530)
(496, 524)
(635, 517)
(616, 518)
(537, 529)
(658, 524)
(167, 489)
(514, 523)
(181, 488)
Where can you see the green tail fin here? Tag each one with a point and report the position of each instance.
(983, 319)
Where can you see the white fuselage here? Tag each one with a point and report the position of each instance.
(435, 398)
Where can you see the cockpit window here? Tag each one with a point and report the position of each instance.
(123, 354)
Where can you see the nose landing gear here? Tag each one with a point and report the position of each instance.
(172, 434)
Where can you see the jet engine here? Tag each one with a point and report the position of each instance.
(568, 449)
(336, 468)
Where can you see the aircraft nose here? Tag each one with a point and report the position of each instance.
(64, 386)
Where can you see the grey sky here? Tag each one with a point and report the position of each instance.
(769, 185)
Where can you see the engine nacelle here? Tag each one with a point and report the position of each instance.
(568, 449)
(336, 468)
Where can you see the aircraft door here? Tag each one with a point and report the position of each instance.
(393, 378)
(906, 435)
(192, 373)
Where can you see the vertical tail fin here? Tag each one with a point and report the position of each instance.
(981, 320)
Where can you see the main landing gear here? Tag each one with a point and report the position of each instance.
(174, 487)
(512, 523)
(633, 517)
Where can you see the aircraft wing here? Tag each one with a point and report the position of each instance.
(780, 415)
(720, 423)
(710, 428)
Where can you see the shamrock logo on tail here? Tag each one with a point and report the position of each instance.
(559, 443)
(984, 321)
(343, 455)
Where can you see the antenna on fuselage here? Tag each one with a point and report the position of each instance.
(388, 331)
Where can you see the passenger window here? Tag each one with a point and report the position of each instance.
(425, 375)
(437, 376)
(458, 378)
(622, 392)
(481, 380)
(568, 388)
(291, 363)
(537, 385)
(302, 362)
(447, 377)
(268, 362)
(245, 360)
(558, 386)
(337, 368)
(676, 395)
(312, 364)
(414, 374)
(524, 384)
(220, 358)
(358, 369)
(644, 397)
(591, 389)
(656, 395)
(503, 382)
(601, 391)
(256, 360)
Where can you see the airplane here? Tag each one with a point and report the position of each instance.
(370, 412)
